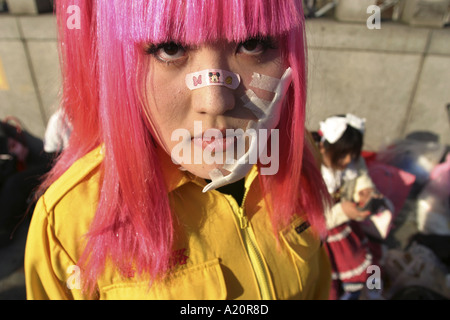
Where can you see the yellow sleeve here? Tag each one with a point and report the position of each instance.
(47, 272)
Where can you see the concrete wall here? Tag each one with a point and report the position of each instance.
(397, 77)
(29, 56)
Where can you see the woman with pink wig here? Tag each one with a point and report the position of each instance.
(187, 174)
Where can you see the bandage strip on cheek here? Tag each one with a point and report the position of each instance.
(256, 105)
(264, 82)
(267, 112)
(212, 77)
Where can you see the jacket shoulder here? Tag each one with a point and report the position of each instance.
(57, 232)
(71, 202)
(83, 171)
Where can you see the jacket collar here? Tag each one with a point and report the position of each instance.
(175, 178)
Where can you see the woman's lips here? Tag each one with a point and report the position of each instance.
(217, 145)
(215, 141)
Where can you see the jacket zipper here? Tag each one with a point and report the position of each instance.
(254, 253)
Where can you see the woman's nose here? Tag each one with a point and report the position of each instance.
(213, 99)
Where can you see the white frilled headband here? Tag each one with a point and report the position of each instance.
(333, 128)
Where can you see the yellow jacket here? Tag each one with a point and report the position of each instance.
(226, 252)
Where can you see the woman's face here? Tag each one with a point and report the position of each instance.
(173, 106)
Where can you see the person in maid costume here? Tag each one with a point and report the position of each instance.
(340, 141)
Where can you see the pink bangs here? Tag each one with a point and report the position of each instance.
(196, 21)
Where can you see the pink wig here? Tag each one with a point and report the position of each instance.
(104, 74)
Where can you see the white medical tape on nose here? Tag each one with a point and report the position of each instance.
(264, 82)
(212, 77)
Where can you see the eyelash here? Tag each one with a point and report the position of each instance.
(266, 42)
(152, 49)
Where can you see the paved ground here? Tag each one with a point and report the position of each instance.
(12, 280)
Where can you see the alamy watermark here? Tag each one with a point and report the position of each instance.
(374, 21)
(74, 280)
(74, 18)
(373, 281)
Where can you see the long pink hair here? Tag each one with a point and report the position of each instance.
(104, 70)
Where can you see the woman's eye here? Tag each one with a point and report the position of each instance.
(255, 46)
(252, 46)
(167, 52)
